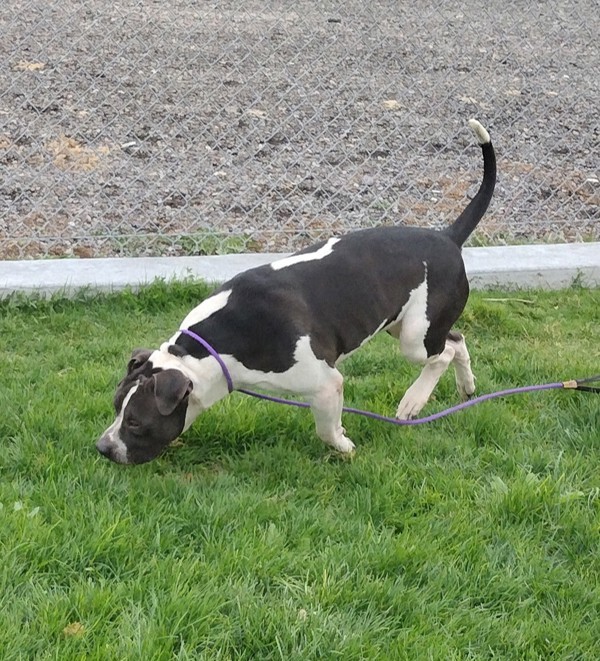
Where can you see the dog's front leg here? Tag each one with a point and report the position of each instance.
(418, 394)
(326, 406)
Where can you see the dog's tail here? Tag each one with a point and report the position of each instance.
(462, 227)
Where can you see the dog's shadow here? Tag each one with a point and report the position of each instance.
(237, 427)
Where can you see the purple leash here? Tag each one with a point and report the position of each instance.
(213, 353)
(575, 384)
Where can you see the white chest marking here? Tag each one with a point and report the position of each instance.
(323, 251)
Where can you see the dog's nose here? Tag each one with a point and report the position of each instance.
(104, 447)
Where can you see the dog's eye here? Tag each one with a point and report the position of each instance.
(133, 424)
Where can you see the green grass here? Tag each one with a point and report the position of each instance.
(476, 537)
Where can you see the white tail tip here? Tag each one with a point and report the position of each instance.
(483, 137)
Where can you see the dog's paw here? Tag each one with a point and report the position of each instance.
(465, 392)
(465, 396)
(343, 444)
(410, 406)
(465, 387)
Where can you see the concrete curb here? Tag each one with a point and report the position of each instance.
(507, 267)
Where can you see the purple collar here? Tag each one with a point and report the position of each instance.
(213, 353)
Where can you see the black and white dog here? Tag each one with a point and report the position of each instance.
(286, 326)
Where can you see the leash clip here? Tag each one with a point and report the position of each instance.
(589, 388)
(572, 383)
(578, 384)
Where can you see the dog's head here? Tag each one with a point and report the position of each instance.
(151, 405)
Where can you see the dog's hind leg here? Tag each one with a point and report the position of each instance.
(326, 406)
(465, 379)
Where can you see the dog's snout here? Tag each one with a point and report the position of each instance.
(112, 448)
(104, 447)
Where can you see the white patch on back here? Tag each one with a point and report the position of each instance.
(203, 311)
(323, 251)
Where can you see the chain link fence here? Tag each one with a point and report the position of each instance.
(208, 126)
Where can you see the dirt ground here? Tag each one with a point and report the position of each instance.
(202, 127)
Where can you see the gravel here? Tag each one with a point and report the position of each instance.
(194, 127)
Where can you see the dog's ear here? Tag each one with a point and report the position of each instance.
(138, 358)
(171, 387)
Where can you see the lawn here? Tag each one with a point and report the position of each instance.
(474, 537)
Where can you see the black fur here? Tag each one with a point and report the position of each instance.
(342, 299)
(338, 301)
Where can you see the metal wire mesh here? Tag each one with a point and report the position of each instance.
(189, 127)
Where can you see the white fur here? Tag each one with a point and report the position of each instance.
(207, 308)
(119, 449)
(418, 394)
(326, 407)
(323, 251)
(206, 375)
(305, 377)
(483, 137)
(465, 379)
(315, 379)
(308, 376)
(411, 325)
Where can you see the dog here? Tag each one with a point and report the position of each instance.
(287, 325)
